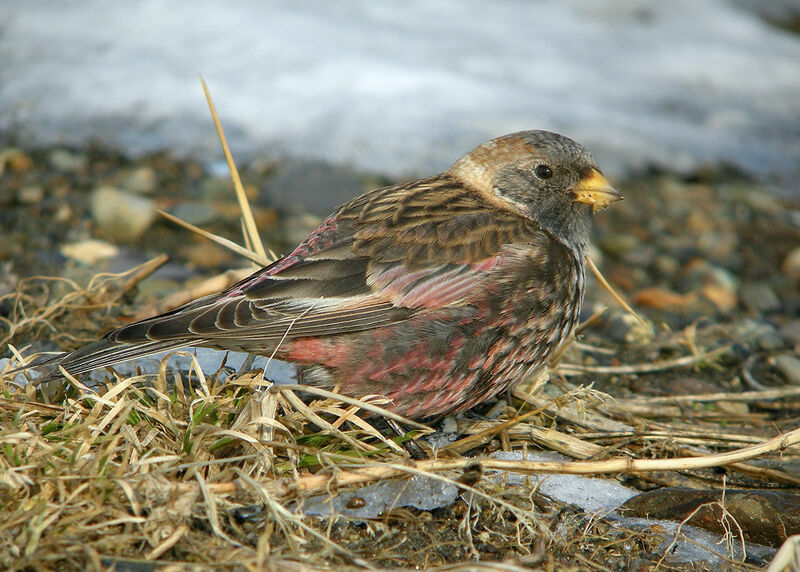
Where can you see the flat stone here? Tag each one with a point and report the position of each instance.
(770, 341)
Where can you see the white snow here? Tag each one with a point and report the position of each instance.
(406, 87)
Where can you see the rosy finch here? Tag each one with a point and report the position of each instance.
(437, 294)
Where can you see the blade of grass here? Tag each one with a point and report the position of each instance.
(259, 259)
(602, 279)
(244, 205)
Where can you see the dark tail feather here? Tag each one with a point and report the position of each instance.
(99, 354)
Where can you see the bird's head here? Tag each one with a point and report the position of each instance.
(542, 176)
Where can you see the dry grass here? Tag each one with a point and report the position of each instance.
(160, 468)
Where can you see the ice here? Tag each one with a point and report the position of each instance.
(594, 495)
(405, 87)
(421, 492)
(597, 496)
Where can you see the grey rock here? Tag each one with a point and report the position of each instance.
(624, 328)
(642, 255)
(759, 297)
(703, 274)
(121, 215)
(296, 227)
(216, 188)
(421, 492)
(789, 366)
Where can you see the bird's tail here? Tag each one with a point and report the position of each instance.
(99, 354)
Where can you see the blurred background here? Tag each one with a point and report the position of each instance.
(404, 88)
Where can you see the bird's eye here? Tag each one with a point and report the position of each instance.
(543, 171)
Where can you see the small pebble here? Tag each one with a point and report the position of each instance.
(627, 329)
(662, 299)
(121, 215)
(63, 214)
(666, 265)
(789, 366)
(724, 300)
(66, 161)
(30, 194)
(89, 251)
(141, 180)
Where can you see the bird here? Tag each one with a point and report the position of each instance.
(436, 294)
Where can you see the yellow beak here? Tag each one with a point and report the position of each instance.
(593, 189)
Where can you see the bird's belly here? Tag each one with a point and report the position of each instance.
(434, 363)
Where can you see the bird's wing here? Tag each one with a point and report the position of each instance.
(377, 260)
